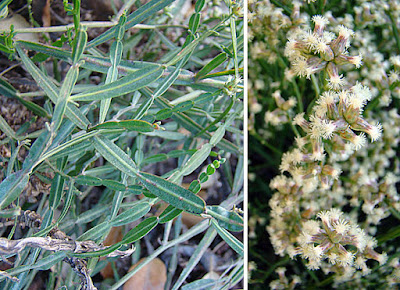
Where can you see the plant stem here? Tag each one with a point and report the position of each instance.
(88, 24)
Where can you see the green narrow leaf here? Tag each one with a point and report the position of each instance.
(56, 191)
(192, 126)
(11, 187)
(172, 193)
(156, 158)
(131, 215)
(201, 248)
(96, 232)
(113, 154)
(80, 42)
(195, 161)
(169, 214)
(4, 127)
(188, 49)
(227, 219)
(164, 114)
(136, 17)
(194, 22)
(36, 151)
(234, 243)
(4, 3)
(51, 90)
(134, 189)
(113, 185)
(183, 107)
(140, 230)
(65, 92)
(127, 84)
(130, 125)
(9, 91)
(213, 64)
(88, 180)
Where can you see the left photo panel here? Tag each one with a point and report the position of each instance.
(121, 144)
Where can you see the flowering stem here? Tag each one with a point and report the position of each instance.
(395, 31)
(315, 85)
(298, 96)
(263, 142)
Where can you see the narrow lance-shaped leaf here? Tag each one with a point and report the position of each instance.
(140, 230)
(113, 154)
(192, 126)
(9, 91)
(227, 219)
(65, 92)
(127, 84)
(80, 42)
(233, 242)
(214, 63)
(194, 161)
(169, 214)
(172, 193)
(136, 17)
(130, 125)
(11, 187)
(4, 127)
(51, 90)
(131, 215)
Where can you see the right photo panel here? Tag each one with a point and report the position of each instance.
(324, 128)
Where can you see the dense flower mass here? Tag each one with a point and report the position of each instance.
(331, 83)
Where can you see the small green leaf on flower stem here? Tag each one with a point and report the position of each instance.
(113, 185)
(169, 214)
(234, 243)
(140, 230)
(195, 186)
(203, 177)
(183, 107)
(11, 187)
(130, 125)
(172, 193)
(88, 180)
(156, 158)
(80, 42)
(127, 84)
(213, 64)
(227, 219)
(131, 215)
